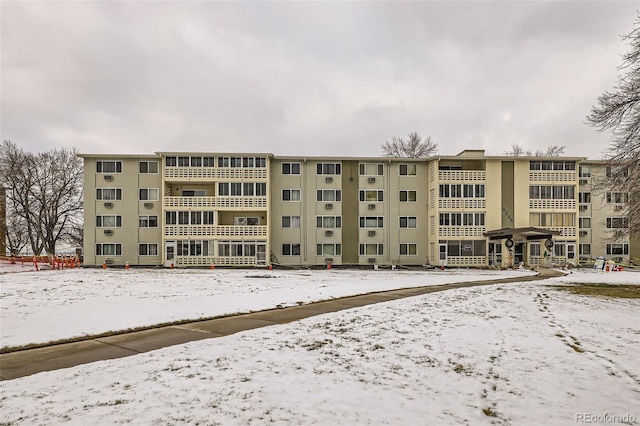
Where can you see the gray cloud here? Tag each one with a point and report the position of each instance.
(306, 78)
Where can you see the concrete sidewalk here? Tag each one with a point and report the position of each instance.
(31, 361)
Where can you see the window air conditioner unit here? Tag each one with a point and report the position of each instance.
(372, 260)
(108, 205)
(108, 261)
(328, 206)
(617, 259)
(371, 180)
(371, 206)
(617, 207)
(328, 233)
(328, 179)
(583, 207)
(371, 233)
(328, 259)
(583, 233)
(108, 177)
(148, 205)
(108, 232)
(583, 181)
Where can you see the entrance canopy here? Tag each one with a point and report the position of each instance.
(521, 233)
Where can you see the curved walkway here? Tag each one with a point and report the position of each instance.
(31, 361)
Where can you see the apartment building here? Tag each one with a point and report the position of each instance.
(601, 214)
(199, 209)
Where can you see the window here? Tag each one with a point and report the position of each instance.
(328, 168)
(371, 196)
(147, 249)
(149, 194)
(108, 194)
(584, 222)
(196, 161)
(208, 218)
(109, 249)
(329, 249)
(183, 161)
(148, 167)
(371, 249)
(290, 168)
(371, 221)
(552, 219)
(145, 221)
(371, 169)
(617, 171)
(617, 197)
(408, 196)
(617, 222)
(246, 221)
(549, 192)
(585, 171)
(585, 249)
(408, 222)
(450, 219)
(617, 248)
(171, 161)
(552, 165)
(193, 248)
(108, 221)
(291, 221)
(407, 169)
(328, 221)
(465, 247)
(473, 219)
(290, 195)
(237, 248)
(409, 249)
(108, 166)
(171, 218)
(208, 162)
(534, 249)
(584, 197)
(329, 195)
(236, 189)
(236, 161)
(291, 249)
(473, 191)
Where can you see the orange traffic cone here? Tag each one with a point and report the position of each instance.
(213, 266)
(104, 264)
(329, 266)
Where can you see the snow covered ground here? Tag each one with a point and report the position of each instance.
(39, 307)
(521, 354)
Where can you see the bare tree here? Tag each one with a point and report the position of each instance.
(17, 235)
(413, 147)
(45, 190)
(518, 150)
(618, 111)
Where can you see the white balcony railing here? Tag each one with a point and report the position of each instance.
(216, 231)
(461, 231)
(216, 260)
(566, 231)
(551, 176)
(216, 202)
(214, 173)
(462, 203)
(467, 261)
(462, 175)
(552, 204)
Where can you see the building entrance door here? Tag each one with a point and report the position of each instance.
(169, 254)
(519, 253)
(442, 254)
(261, 254)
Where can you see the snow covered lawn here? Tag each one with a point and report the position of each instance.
(39, 307)
(521, 354)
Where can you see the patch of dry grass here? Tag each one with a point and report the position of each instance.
(624, 291)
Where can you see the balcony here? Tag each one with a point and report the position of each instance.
(552, 204)
(462, 203)
(258, 231)
(216, 260)
(553, 176)
(213, 173)
(217, 202)
(461, 231)
(462, 175)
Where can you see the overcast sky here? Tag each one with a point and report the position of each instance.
(307, 78)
